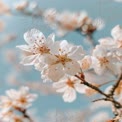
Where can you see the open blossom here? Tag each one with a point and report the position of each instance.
(64, 60)
(20, 99)
(69, 85)
(114, 45)
(38, 47)
(102, 61)
(15, 100)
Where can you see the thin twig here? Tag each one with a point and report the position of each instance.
(24, 112)
(91, 86)
(115, 86)
(107, 97)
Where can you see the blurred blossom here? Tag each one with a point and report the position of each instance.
(16, 101)
(66, 116)
(2, 25)
(45, 89)
(100, 117)
(7, 39)
(99, 104)
(118, 0)
(66, 21)
(99, 23)
(21, 5)
(4, 8)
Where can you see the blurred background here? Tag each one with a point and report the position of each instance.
(14, 24)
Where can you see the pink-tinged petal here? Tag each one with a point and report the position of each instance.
(99, 69)
(30, 60)
(117, 32)
(69, 95)
(115, 69)
(39, 66)
(53, 72)
(63, 89)
(65, 46)
(51, 38)
(34, 35)
(24, 48)
(106, 41)
(11, 93)
(61, 32)
(77, 53)
(72, 67)
(80, 88)
(55, 51)
(50, 59)
(59, 84)
(99, 51)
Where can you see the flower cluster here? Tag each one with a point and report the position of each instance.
(107, 56)
(57, 60)
(14, 102)
(60, 62)
(67, 21)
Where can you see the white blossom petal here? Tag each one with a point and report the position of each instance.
(69, 95)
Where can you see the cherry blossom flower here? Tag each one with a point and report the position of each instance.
(114, 45)
(21, 98)
(69, 85)
(38, 47)
(64, 60)
(18, 99)
(102, 61)
(15, 100)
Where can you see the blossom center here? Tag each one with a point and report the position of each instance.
(70, 83)
(22, 100)
(44, 49)
(40, 49)
(62, 59)
(103, 60)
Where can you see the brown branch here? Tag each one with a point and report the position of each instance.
(24, 112)
(91, 86)
(115, 85)
(107, 97)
